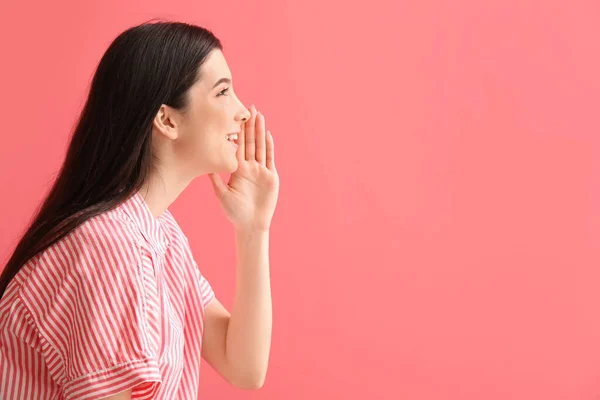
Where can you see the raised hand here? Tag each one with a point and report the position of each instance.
(250, 197)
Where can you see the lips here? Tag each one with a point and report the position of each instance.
(233, 139)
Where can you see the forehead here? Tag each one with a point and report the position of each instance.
(214, 68)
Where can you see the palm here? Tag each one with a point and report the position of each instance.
(250, 196)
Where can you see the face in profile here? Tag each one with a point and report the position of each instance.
(200, 137)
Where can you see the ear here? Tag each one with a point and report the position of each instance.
(164, 121)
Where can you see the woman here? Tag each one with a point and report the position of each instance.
(102, 297)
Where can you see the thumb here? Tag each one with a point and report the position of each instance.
(218, 185)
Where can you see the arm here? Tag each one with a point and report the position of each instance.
(237, 345)
(121, 396)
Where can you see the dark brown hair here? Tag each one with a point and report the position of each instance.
(110, 152)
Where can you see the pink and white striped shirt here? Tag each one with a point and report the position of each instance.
(117, 304)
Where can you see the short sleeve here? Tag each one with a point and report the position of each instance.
(101, 323)
(207, 293)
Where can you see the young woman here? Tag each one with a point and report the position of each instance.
(102, 297)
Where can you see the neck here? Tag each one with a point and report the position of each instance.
(161, 189)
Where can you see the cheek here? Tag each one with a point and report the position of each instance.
(200, 144)
(188, 144)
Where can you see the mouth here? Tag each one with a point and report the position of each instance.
(233, 139)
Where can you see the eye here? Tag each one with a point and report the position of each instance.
(223, 92)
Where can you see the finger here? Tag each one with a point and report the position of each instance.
(270, 152)
(250, 135)
(241, 150)
(218, 185)
(260, 138)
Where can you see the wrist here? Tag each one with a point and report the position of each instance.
(252, 231)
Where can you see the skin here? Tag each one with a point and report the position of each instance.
(194, 143)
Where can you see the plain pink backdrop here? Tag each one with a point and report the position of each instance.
(438, 229)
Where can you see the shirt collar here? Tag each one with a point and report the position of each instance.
(150, 226)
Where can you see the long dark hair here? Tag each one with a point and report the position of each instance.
(110, 152)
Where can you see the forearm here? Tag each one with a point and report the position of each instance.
(249, 332)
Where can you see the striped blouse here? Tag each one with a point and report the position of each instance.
(117, 304)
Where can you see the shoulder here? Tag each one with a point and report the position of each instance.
(111, 233)
(105, 246)
(98, 263)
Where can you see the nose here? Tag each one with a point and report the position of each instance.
(245, 115)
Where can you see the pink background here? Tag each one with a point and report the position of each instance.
(438, 230)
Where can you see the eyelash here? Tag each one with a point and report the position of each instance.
(222, 92)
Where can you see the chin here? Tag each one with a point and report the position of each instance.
(228, 164)
(229, 167)
(233, 167)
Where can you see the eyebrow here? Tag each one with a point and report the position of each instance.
(222, 80)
